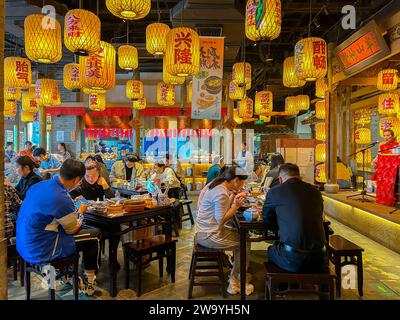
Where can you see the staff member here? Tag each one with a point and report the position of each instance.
(245, 159)
(215, 169)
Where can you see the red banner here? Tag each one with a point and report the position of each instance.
(388, 168)
(99, 133)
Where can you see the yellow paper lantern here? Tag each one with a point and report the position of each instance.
(310, 56)
(47, 93)
(140, 104)
(12, 94)
(165, 94)
(263, 102)
(128, 58)
(236, 92)
(270, 25)
(245, 108)
(169, 78)
(320, 173)
(320, 152)
(43, 38)
(72, 76)
(290, 79)
(156, 38)
(97, 71)
(56, 94)
(129, 9)
(363, 136)
(10, 109)
(321, 87)
(27, 116)
(389, 123)
(388, 103)
(387, 80)
(240, 76)
(320, 110)
(320, 133)
(183, 52)
(303, 102)
(363, 117)
(82, 31)
(291, 106)
(134, 89)
(28, 104)
(236, 117)
(265, 119)
(189, 92)
(367, 157)
(97, 101)
(17, 72)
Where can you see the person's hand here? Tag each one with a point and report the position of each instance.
(240, 199)
(79, 198)
(102, 182)
(82, 208)
(374, 164)
(7, 181)
(42, 171)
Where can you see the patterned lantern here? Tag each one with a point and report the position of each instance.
(134, 89)
(367, 157)
(302, 102)
(389, 123)
(270, 26)
(363, 136)
(169, 78)
(388, 103)
(236, 117)
(165, 94)
(320, 110)
(320, 152)
(43, 38)
(291, 106)
(71, 76)
(320, 134)
(82, 31)
(290, 79)
(17, 72)
(47, 92)
(387, 80)
(10, 109)
(140, 104)
(27, 116)
(97, 71)
(156, 38)
(56, 94)
(310, 56)
(320, 88)
(265, 119)
(245, 107)
(240, 76)
(97, 101)
(362, 118)
(32, 91)
(189, 92)
(236, 92)
(183, 52)
(28, 104)
(12, 94)
(129, 9)
(263, 102)
(128, 58)
(320, 173)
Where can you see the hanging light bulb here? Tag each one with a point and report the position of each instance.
(28, 104)
(389, 123)
(27, 116)
(263, 103)
(236, 92)
(388, 103)
(363, 136)
(291, 106)
(245, 107)
(387, 80)
(240, 76)
(129, 9)
(156, 38)
(303, 102)
(290, 79)
(134, 89)
(140, 104)
(169, 78)
(165, 94)
(17, 72)
(72, 76)
(320, 152)
(128, 58)
(321, 87)
(320, 110)
(97, 101)
(12, 94)
(47, 93)
(320, 133)
(310, 56)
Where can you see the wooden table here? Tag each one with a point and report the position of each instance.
(130, 192)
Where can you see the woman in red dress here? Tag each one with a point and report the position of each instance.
(386, 147)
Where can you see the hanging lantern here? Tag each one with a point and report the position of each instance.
(240, 76)
(245, 107)
(389, 123)
(12, 94)
(362, 118)
(367, 157)
(27, 116)
(28, 104)
(156, 38)
(71, 76)
(128, 58)
(387, 80)
(189, 92)
(183, 52)
(265, 119)
(291, 106)
(320, 133)
(320, 110)
(140, 104)
(56, 94)
(97, 101)
(169, 78)
(82, 31)
(236, 117)
(47, 92)
(269, 27)
(17, 72)
(263, 102)
(363, 136)
(320, 173)
(320, 152)
(236, 92)
(134, 89)
(43, 38)
(320, 88)
(290, 79)
(165, 94)
(10, 109)
(97, 71)
(388, 103)
(303, 102)
(129, 9)
(310, 56)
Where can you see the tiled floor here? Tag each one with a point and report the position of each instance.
(381, 274)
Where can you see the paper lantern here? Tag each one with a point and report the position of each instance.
(56, 94)
(82, 31)
(363, 117)
(265, 119)
(263, 102)
(320, 152)
(320, 110)
(236, 92)
(140, 104)
(161, 122)
(320, 133)
(165, 94)
(28, 104)
(134, 89)
(310, 56)
(321, 87)
(43, 38)
(320, 173)
(12, 94)
(169, 78)
(240, 76)
(128, 58)
(270, 25)
(17, 72)
(97, 71)
(367, 157)
(47, 92)
(72, 76)
(27, 116)
(156, 38)
(10, 109)
(183, 52)
(388, 103)
(206, 124)
(183, 122)
(97, 101)
(236, 117)
(387, 80)
(189, 92)
(363, 136)
(303, 102)
(129, 9)
(291, 106)
(245, 107)
(290, 79)
(389, 123)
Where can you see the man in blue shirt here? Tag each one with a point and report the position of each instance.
(48, 163)
(48, 228)
(215, 169)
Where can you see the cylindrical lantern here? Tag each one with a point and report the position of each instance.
(236, 117)
(169, 78)
(183, 52)
(320, 173)
(265, 119)
(28, 104)
(367, 157)
(320, 88)
(97, 101)
(17, 72)
(140, 104)
(303, 102)
(165, 94)
(320, 133)
(161, 123)
(240, 76)
(183, 122)
(10, 108)
(56, 94)
(47, 93)
(128, 58)
(82, 31)
(310, 56)
(389, 123)
(245, 107)
(263, 102)
(236, 92)
(27, 116)
(12, 94)
(72, 76)
(363, 136)
(134, 89)
(320, 110)
(269, 27)
(291, 106)
(189, 92)
(129, 9)
(388, 103)
(156, 38)
(320, 152)
(290, 79)
(43, 38)
(363, 117)
(97, 71)
(387, 80)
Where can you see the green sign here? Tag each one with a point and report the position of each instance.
(260, 13)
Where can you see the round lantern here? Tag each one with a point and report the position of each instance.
(28, 104)
(310, 56)
(12, 94)
(17, 72)
(42, 38)
(245, 107)
(236, 117)
(290, 79)
(320, 173)
(97, 101)
(129, 9)
(320, 133)
(236, 92)
(388, 103)
(263, 102)
(291, 106)
(367, 157)
(320, 152)
(134, 89)
(320, 110)
(183, 52)
(97, 71)
(165, 94)
(270, 25)
(320, 88)
(82, 31)
(303, 102)
(10, 109)
(240, 76)
(27, 116)
(47, 93)
(156, 38)
(128, 58)
(169, 78)
(189, 92)
(140, 104)
(265, 119)
(387, 80)
(389, 123)
(363, 136)
(72, 76)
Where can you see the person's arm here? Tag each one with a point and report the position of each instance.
(222, 202)
(76, 192)
(108, 193)
(67, 218)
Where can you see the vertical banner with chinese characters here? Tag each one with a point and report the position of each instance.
(207, 84)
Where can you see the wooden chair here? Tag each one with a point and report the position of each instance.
(188, 213)
(15, 261)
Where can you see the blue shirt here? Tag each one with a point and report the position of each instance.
(40, 235)
(50, 163)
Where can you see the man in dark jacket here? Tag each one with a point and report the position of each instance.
(25, 166)
(297, 208)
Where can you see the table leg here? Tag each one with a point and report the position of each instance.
(242, 264)
(113, 264)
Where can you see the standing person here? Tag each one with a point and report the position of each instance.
(9, 171)
(9, 152)
(215, 169)
(245, 159)
(48, 228)
(386, 146)
(272, 177)
(48, 163)
(127, 169)
(62, 149)
(167, 178)
(25, 167)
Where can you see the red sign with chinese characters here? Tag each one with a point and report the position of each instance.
(183, 48)
(73, 26)
(22, 70)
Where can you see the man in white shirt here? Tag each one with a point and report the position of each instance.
(245, 159)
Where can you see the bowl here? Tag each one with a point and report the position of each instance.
(213, 84)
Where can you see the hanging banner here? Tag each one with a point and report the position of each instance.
(207, 84)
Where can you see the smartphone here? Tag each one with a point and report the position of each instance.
(78, 203)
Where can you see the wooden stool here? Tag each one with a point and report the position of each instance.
(276, 275)
(160, 245)
(189, 213)
(214, 268)
(328, 230)
(339, 248)
(15, 261)
(64, 267)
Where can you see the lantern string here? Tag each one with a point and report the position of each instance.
(309, 22)
(158, 11)
(97, 8)
(127, 32)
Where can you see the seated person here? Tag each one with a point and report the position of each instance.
(127, 169)
(12, 204)
(25, 166)
(215, 169)
(166, 177)
(272, 178)
(9, 171)
(297, 208)
(48, 163)
(48, 228)
(104, 172)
